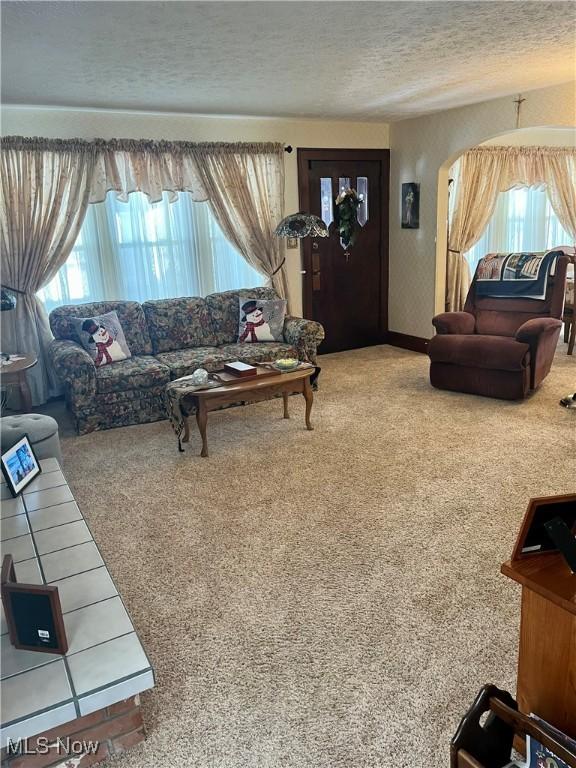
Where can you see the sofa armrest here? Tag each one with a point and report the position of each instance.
(532, 329)
(76, 369)
(462, 323)
(541, 334)
(305, 335)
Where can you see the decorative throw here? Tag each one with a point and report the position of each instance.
(102, 336)
(261, 320)
(177, 407)
(515, 275)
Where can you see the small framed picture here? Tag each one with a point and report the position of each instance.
(411, 206)
(20, 465)
(533, 537)
(33, 613)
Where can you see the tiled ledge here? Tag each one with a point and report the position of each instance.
(51, 544)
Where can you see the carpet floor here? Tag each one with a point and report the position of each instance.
(325, 599)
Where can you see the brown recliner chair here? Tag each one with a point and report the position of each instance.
(498, 347)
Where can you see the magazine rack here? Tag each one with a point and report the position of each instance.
(488, 744)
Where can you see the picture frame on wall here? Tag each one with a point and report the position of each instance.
(411, 205)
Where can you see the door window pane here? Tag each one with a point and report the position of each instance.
(343, 183)
(326, 203)
(362, 190)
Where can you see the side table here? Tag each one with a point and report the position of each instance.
(15, 369)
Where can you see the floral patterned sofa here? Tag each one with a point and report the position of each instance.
(168, 339)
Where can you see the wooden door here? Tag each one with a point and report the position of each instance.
(346, 291)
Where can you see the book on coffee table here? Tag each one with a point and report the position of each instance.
(240, 369)
(260, 372)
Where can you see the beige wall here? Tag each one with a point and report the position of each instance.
(539, 137)
(422, 150)
(88, 124)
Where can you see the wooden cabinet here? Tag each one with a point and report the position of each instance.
(547, 652)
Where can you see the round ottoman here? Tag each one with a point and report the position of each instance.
(42, 432)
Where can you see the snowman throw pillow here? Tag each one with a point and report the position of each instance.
(102, 336)
(261, 320)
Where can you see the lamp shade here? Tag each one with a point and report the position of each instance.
(301, 225)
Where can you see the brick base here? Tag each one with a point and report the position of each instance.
(114, 729)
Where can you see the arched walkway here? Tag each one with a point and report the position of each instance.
(547, 135)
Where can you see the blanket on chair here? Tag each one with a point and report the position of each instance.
(520, 275)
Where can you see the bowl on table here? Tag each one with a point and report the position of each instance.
(287, 364)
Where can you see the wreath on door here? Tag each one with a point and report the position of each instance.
(346, 216)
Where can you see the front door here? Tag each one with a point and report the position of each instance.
(346, 290)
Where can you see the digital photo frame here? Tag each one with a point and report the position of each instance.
(534, 537)
(20, 465)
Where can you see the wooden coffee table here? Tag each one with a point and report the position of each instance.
(252, 391)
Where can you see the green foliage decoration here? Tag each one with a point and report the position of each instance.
(346, 216)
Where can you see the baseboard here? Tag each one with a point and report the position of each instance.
(405, 341)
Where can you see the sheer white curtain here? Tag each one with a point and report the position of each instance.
(523, 220)
(138, 250)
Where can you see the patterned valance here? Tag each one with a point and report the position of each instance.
(143, 165)
(525, 166)
(136, 145)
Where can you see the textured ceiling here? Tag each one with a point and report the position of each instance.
(340, 60)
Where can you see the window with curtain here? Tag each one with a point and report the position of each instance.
(136, 251)
(523, 220)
